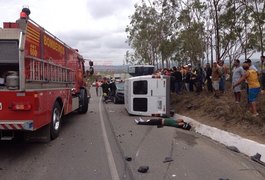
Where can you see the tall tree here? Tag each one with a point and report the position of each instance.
(142, 32)
(192, 30)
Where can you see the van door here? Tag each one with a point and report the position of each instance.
(157, 87)
(139, 96)
(149, 96)
(157, 96)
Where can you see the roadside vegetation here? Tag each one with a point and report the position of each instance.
(223, 113)
(162, 32)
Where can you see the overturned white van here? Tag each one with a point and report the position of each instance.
(147, 95)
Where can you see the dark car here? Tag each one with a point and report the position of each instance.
(119, 93)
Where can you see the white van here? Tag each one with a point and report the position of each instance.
(147, 95)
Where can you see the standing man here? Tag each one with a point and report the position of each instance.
(88, 86)
(238, 72)
(186, 78)
(216, 75)
(253, 87)
(105, 87)
(97, 86)
(178, 79)
(198, 73)
(223, 69)
(208, 71)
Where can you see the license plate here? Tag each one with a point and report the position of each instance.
(0, 106)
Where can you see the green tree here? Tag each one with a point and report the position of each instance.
(192, 31)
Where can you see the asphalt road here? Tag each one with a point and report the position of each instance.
(95, 146)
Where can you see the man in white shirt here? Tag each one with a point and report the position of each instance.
(238, 72)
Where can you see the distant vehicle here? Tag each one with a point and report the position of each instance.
(119, 93)
(117, 77)
(148, 95)
(140, 70)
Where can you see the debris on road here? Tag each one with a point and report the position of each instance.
(257, 159)
(233, 148)
(143, 169)
(167, 159)
(128, 158)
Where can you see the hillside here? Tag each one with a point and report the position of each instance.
(223, 113)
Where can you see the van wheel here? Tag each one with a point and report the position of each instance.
(83, 101)
(55, 121)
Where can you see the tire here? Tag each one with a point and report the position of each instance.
(55, 124)
(83, 102)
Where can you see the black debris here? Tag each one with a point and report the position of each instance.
(167, 159)
(233, 148)
(256, 158)
(143, 169)
(128, 158)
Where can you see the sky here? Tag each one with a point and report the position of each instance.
(95, 27)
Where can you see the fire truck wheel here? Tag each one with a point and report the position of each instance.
(55, 121)
(83, 101)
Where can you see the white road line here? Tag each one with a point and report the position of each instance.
(112, 165)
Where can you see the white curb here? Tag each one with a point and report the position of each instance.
(245, 146)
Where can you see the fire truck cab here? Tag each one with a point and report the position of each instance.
(41, 80)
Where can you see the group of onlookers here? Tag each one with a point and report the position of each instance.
(106, 87)
(190, 79)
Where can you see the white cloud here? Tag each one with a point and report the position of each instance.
(95, 27)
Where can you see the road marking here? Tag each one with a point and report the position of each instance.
(112, 165)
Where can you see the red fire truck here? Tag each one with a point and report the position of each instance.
(41, 80)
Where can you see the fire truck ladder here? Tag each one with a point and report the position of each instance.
(42, 71)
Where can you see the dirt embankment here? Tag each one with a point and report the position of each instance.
(223, 113)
